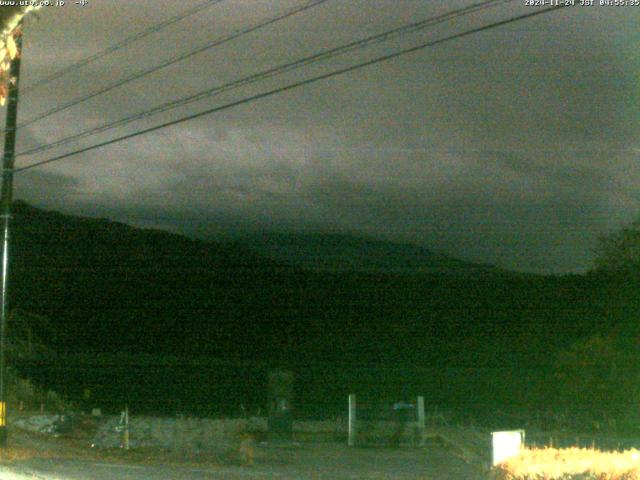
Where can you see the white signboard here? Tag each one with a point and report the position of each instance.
(506, 445)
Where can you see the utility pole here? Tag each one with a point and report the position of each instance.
(6, 197)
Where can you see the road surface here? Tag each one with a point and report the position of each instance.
(319, 461)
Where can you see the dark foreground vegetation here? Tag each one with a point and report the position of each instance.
(169, 323)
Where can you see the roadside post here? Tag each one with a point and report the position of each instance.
(352, 420)
(421, 420)
(123, 427)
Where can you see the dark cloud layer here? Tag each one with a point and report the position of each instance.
(517, 146)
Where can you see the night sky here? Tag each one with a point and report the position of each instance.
(517, 146)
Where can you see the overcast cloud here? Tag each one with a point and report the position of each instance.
(517, 146)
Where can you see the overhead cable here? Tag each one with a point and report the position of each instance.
(271, 72)
(292, 86)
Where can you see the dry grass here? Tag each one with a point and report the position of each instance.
(24, 446)
(570, 463)
(13, 454)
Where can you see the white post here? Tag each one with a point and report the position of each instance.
(420, 420)
(126, 427)
(352, 420)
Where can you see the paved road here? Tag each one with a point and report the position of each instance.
(309, 462)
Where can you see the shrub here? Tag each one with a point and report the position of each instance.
(570, 463)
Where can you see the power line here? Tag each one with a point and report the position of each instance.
(209, 45)
(293, 86)
(122, 44)
(283, 68)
